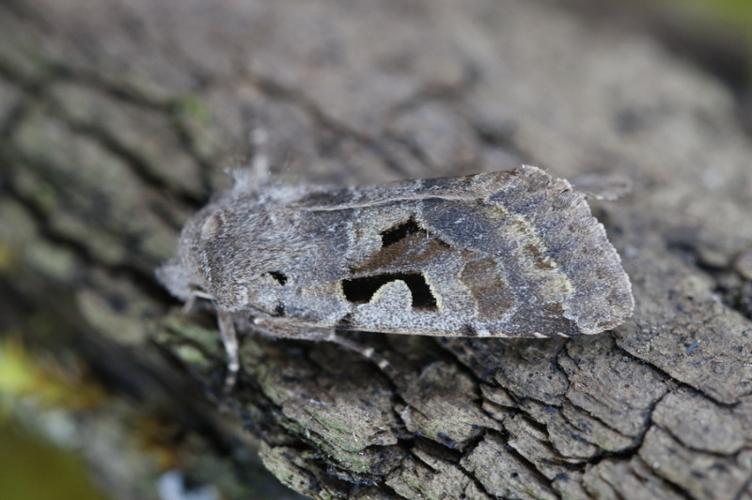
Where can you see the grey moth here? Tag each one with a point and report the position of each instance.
(504, 254)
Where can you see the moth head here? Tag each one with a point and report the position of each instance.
(184, 275)
(236, 255)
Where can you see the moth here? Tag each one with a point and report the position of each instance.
(504, 254)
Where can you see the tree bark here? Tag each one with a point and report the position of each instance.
(119, 117)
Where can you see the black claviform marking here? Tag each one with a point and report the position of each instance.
(361, 290)
(279, 276)
(400, 232)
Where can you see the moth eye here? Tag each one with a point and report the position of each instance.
(279, 276)
(361, 290)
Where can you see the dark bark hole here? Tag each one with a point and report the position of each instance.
(399, 232)
(361, 290)
(280, 277)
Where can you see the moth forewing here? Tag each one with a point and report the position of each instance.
(503, 254)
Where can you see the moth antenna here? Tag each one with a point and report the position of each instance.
(609, 187)
(260, 162)
(251, 178)
(286, 164)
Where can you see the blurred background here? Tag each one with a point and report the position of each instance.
(97, 99)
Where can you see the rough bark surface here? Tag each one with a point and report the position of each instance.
(118, 117)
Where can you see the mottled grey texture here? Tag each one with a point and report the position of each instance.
(506, 254)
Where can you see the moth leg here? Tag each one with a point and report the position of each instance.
(366, 351)
(226, 325)
(190, 305)
(230, 341)
(275, 327)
